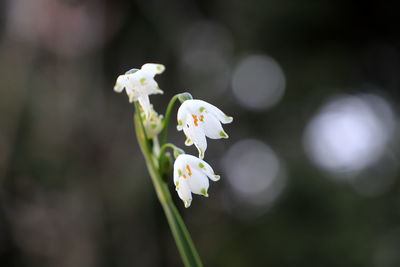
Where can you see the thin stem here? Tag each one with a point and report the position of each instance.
(137, 111)
(184, 242)
(168, 111)
(156, 147)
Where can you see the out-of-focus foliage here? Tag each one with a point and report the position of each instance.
(310, 174)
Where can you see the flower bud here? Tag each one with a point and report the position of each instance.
(153, 123)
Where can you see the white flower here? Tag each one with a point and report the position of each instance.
(152, 123)
(140, 84)
(199, 119)
(190, 176)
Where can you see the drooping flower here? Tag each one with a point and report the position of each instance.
(139, 84)
(190, 176)
(199, 119)
(152, 123)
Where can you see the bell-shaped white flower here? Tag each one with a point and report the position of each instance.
(199, 119)
(140, 84)
(190, 176)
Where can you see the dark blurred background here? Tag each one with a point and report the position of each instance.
(310, 174)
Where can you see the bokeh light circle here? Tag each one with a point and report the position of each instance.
(254, 172)
(349, 133)
(258, 82)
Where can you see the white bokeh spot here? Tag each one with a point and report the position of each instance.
(254, 173)
(349, 133)
(258, 82)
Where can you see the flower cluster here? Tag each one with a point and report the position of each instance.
(196, 118)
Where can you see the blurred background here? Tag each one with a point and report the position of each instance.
(310, 174)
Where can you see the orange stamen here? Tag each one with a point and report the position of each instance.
(201, 117)
(188, 169)
(195, 120)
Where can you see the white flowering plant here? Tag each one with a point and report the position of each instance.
(198, 120)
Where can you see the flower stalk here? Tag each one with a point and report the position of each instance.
(184, 242)
(198, 120)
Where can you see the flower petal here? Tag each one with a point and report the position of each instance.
(188, 141)
(132, 94)
(196, 135)
(197, 164)
(207, 170)
(120, 84)
(184, 192)
(221, 116)
(153, 69)
(144, 102)
(212, 127)
(151, 87)
(179, 164)
(198, 183)
(181, 116)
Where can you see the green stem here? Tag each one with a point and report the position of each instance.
(137, 112)
(168, 111)
(165, 146)
(184, 242)
(176, 150)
